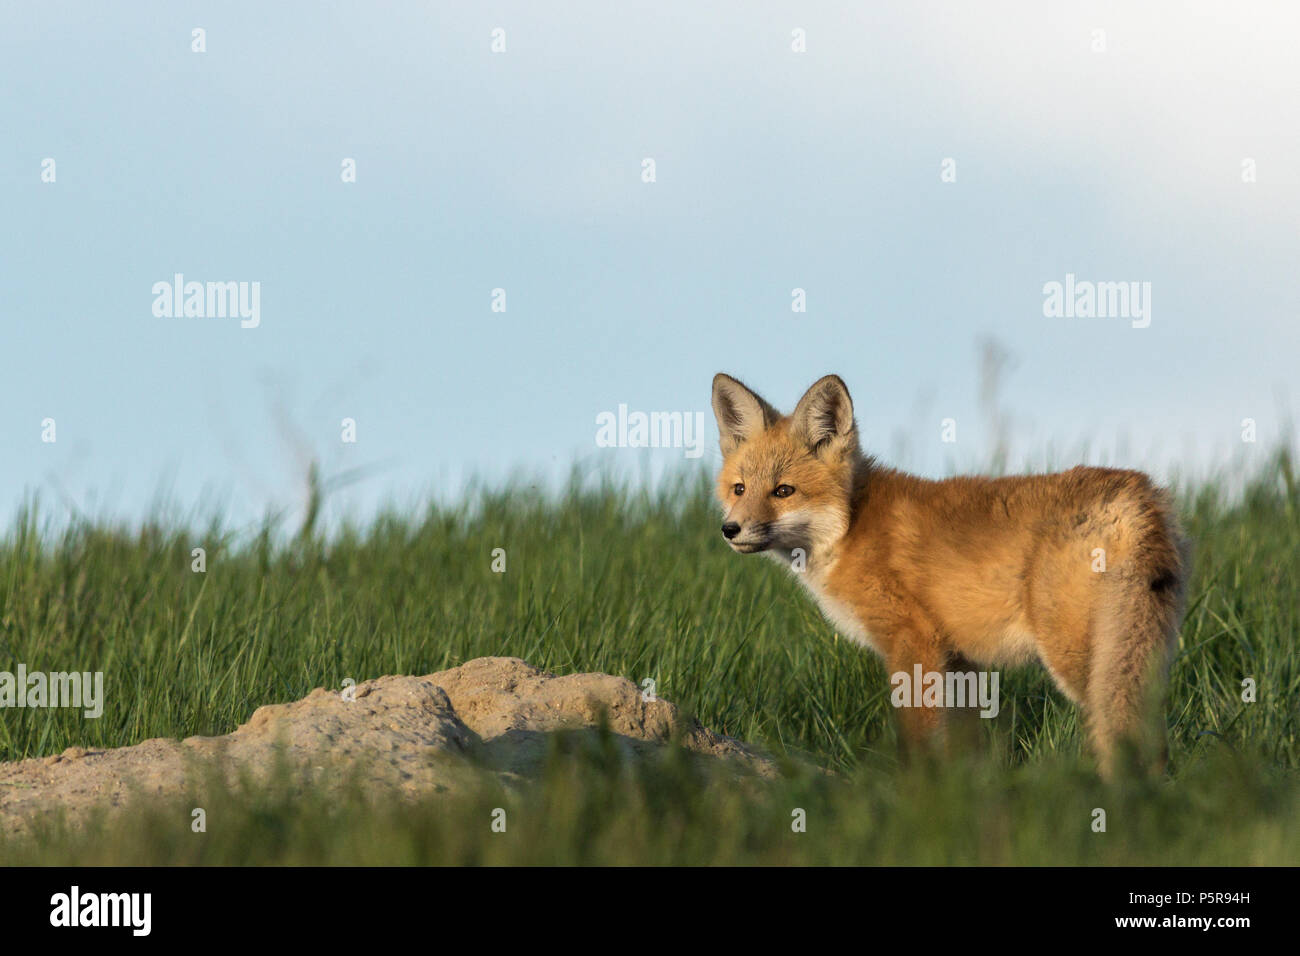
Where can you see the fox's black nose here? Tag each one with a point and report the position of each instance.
(730, 530)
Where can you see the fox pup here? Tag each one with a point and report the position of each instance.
(1083, 571)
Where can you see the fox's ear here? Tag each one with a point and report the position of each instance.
(824, 416)
(741, 414)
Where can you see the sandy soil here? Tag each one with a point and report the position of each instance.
(411, 735)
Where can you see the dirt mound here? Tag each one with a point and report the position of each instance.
(412, 735)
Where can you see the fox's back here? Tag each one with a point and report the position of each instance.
(978, 551)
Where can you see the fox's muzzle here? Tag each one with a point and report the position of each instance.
(756, 537)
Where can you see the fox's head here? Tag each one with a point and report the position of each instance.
(786, 480)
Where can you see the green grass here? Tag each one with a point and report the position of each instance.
(639, 584)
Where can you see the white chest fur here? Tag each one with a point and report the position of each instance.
(839, 613)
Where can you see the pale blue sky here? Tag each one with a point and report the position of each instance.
(522, 170)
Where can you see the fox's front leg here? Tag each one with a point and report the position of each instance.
(921, 728)
(963, 731)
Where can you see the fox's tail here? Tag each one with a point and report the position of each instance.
(1133, 644)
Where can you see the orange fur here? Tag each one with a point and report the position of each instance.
(967, 571)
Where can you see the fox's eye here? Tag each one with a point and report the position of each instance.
(784, 491)
(738, 488)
